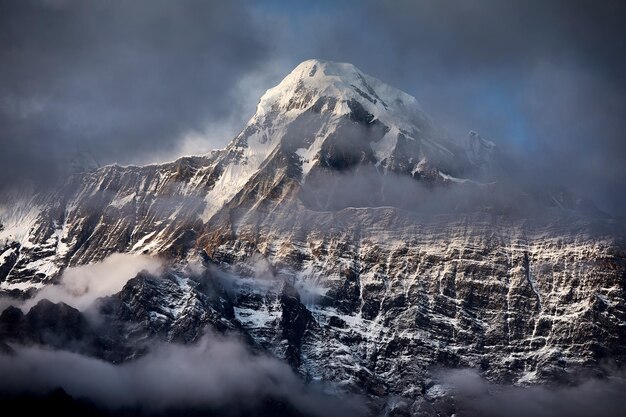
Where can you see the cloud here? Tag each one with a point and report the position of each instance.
(7, 302)
(216, 372)
(476, 397)
(80, 286)
(145, 81)
(123, 81)
(543, 79)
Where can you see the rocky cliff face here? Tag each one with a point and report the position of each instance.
(360, 244)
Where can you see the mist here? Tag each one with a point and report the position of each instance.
(138, 82)
(590, 396)
(80, 286)
(216, 372)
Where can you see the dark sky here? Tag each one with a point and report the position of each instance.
(150, 80)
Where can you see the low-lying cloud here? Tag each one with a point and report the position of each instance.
(217, 372)
(515, 196)
(80, 286)
(593, 397)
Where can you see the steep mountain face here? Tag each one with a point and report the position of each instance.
(366, 246)
(322, 119)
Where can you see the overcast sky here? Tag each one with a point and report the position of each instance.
(150, 80)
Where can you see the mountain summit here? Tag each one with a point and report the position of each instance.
(330, 116)
(315, 80)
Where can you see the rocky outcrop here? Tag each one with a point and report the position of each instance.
(167, 308)
(58, 326)
(294, 322)
(121, 327)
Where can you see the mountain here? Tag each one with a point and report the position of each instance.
(350, 236)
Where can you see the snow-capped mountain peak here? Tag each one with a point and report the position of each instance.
(323, 109)
(313, 79)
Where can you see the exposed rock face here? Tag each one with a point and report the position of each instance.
(170, 309)
(390, 249)
(398, 293)
(122, 326)
(295, 321)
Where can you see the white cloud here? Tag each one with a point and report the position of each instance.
(475, 396)
(80, 286)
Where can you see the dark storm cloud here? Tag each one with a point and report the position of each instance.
(544, 79)
(124, 80)
(120, 80)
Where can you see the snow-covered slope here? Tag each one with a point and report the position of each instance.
(314, 109)
(335, 88)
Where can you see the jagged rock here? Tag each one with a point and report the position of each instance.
(12, 325)
(59, 326)
(148, 309)
(167, 308)
(295, 321)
